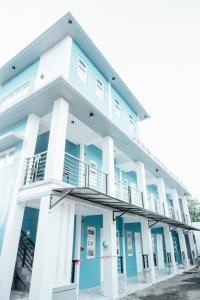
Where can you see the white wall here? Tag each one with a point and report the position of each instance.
(54, 63)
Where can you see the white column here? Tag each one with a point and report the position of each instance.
(65, 243)
(108, 163)
(77, 249)
(148, 248)
(141, 182)
(176, 205)
(110, 101)
(110, 275)
(186, 209)
(192, 245)
(183, 247)
(169, 246)
(162, 196)
(44, 264)
(57, 137)
(16, 212)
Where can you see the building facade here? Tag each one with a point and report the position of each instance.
(85, 209)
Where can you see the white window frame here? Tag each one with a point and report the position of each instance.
(118, 111)
(82, 71)
(7, 156)
(15, 96)
(99, 87)
(132, 124)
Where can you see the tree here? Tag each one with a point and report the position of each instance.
(194, 208)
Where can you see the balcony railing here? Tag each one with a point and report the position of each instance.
(126, 193)
(172, 213)
(155, 204)
(35, 168)
(80, 174)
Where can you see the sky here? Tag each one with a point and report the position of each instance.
(155, 47)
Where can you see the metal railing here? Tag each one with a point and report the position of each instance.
(126, 193)
(80, 174)
(120, 268)
(172, 212)
(35, 168)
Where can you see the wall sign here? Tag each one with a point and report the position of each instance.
(129, 243)
(91, 242)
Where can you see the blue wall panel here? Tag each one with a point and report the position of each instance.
(131, 266)
(177, 250)
(88, 89)
(27, 75)
(30, 222)
(90, 268)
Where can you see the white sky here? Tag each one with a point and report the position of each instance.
(155, 47)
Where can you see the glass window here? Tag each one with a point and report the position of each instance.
(132, 125)
(99, 88)
(6, 158)
(82, 69)
(117, 108)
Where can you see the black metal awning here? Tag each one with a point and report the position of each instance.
(119, 206)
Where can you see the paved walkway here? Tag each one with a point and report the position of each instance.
(180, 287)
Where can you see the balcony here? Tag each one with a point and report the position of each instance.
(155, 204)
(172, 212)
(77, 173)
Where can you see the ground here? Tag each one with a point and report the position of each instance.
(181, 287)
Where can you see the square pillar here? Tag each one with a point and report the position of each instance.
(16, 211)
(57, 137)
(44, 264)
(183, 247)
(148, 249)
(66, 217)
(170, 248)
(186, 209)
(141, 183)
(108, 164)
(176, 205)
(110, 274)
(162, 196)
(192, 246)
(78, 249)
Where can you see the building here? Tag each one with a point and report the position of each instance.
(86, 209)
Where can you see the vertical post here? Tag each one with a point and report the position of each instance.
(57, 137)
(141, 182)
(44, 265)
(77, 249)
(170, 248)
(16, 212)
(176, 204)
(183, 247)
(148, 250)
(110, 275)
(162, 194)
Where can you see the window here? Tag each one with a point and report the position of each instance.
(99, 88)
(117, 108)
(18, 94)
(6, 158)
(132, 125)
(82, 69)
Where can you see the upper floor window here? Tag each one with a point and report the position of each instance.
(99, 88)
(6, 158)
(82, 69)
(15, 95)
(132, 124)
(117, 108)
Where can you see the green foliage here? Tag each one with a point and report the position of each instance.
(194, 208)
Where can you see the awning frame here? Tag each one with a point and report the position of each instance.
(119, 207)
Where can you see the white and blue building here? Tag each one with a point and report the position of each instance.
(86, 211)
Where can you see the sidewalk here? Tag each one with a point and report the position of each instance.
(185, 286)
